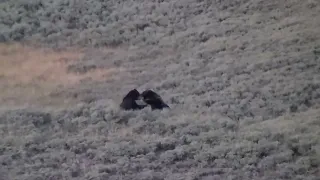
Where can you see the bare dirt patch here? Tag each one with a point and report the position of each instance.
(29, 75)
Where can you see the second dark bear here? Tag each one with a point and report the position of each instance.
(153, 99)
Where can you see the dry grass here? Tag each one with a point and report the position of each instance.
(241, 77)
(29, 75)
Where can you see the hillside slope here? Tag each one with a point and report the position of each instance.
(242, 78)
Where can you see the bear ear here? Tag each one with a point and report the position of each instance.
(136, 90)
(131, 93)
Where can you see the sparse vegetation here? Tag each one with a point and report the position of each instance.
(241, 78)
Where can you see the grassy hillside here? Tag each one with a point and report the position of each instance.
(242, 78)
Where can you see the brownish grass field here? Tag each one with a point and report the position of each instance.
(29, 75)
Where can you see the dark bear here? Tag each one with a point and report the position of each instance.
(130, 101)
(153, 99)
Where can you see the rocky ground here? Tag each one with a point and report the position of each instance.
(242, 78)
